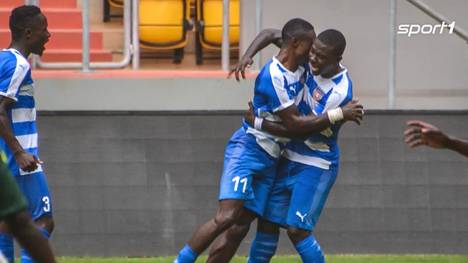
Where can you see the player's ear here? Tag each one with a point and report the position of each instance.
(27, 33)
(295, 42)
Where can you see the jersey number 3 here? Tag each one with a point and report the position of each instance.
(46, 201)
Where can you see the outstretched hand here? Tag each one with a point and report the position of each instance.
(239, 69)
(422, 133)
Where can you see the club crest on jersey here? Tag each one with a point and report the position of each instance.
(317, 94)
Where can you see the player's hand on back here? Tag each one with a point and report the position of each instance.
(353, 111)
(249, 115)
(422, 133)
(26, 161)
(244, 63)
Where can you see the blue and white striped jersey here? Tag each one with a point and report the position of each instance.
(321, 150)
(276, 88)
(16, 83)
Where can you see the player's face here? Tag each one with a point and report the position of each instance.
(323, 59)
(38, 35)
(303, 47)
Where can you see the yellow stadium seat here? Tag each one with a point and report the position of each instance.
(163, 25)
(210, 26)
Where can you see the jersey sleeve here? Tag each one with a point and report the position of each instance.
(12, 74)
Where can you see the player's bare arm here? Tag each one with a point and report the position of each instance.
(22, 227)
(421, 133)
(262, 40)
(27, 162)
(297, 126)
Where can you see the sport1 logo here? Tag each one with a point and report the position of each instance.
(428, 29)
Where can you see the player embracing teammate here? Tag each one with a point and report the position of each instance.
(297, 110)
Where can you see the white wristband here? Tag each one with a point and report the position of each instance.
(258, 123)
(335, 115)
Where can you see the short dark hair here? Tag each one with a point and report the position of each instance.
(295, 28)
(21, 17)
(335, 39)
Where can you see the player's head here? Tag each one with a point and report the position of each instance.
(327, 52)
(28, 27)
(298, 35)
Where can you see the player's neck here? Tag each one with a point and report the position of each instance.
(21, 48)
(287, 60)
(337, 69)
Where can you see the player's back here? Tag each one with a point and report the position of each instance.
(16, 84)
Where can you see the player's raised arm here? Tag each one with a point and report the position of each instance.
(262, 40)
(295, 126)
(422, 133)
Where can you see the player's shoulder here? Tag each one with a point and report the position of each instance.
(11, 60)
(343, 83)
(270, 71)
(276, 70)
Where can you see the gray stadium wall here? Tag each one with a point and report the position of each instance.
(138, 183)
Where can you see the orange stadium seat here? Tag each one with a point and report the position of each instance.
(107, 9)
(210, 26)
(164, 24)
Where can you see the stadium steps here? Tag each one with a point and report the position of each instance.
(65, 25)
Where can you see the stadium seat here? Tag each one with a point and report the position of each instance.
(164, 24)
(107, 9)
(209, 26)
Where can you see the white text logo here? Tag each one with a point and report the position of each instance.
(428, 29)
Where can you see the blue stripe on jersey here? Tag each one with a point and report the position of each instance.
(281, 68)
(349, 96)
(24, 128)
(24, 102)
(338, 79)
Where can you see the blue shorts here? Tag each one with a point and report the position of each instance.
(34, 187)
(248, 173)
(299, 194)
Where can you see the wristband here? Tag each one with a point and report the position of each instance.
(258, 123)
(335, 115)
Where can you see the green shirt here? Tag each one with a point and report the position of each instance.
(11, 199)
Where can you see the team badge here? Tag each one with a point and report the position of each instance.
(317, 94)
